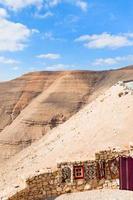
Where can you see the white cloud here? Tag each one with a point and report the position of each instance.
(83, 38)
(130, 35)
(3, 13)
(48, 36)
(44, 16)
(4, 60)
(112, 61)
(51, 37)
(19, 4)
(53, 3)
(106, 40)
(13, 36)
(61, 66)
(15, 68)
(82, 5)
(55, 67)
(104, 62)
(50, 56)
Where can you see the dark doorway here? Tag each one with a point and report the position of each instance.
(126, 173)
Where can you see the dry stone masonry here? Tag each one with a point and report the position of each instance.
(103, 172)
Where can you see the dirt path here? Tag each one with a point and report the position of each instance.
(99, 195)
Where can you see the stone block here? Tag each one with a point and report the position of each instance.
(59, 189)
(87, 187)
(80, 182)
(67, 189)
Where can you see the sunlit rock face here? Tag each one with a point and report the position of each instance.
(37, 102)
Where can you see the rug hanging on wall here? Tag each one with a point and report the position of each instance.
(101, 169)
(114, 168)
(66, 174)
(90, 172)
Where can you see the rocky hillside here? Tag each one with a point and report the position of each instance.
(104, 123)
(35, 103)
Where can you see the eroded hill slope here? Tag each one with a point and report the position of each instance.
(103, 124)
(35, 103)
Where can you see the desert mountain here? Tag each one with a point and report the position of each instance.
(35, 103)
(104, 123)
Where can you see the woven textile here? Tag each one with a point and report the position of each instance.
(101, 169)
(90, 172)
(66, 174)
(114, 168)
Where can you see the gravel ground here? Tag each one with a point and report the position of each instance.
(99, 195)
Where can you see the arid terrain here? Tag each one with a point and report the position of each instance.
(98, 195)
(35, 103)
(50, 117)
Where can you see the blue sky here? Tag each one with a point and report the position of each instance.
(64, 35)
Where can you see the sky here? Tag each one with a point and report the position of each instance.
(39, 35)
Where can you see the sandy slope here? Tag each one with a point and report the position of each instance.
(44, 100)
(104, 123)
(35, 103)
(99, 195)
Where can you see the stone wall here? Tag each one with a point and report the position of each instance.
(103, 172)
